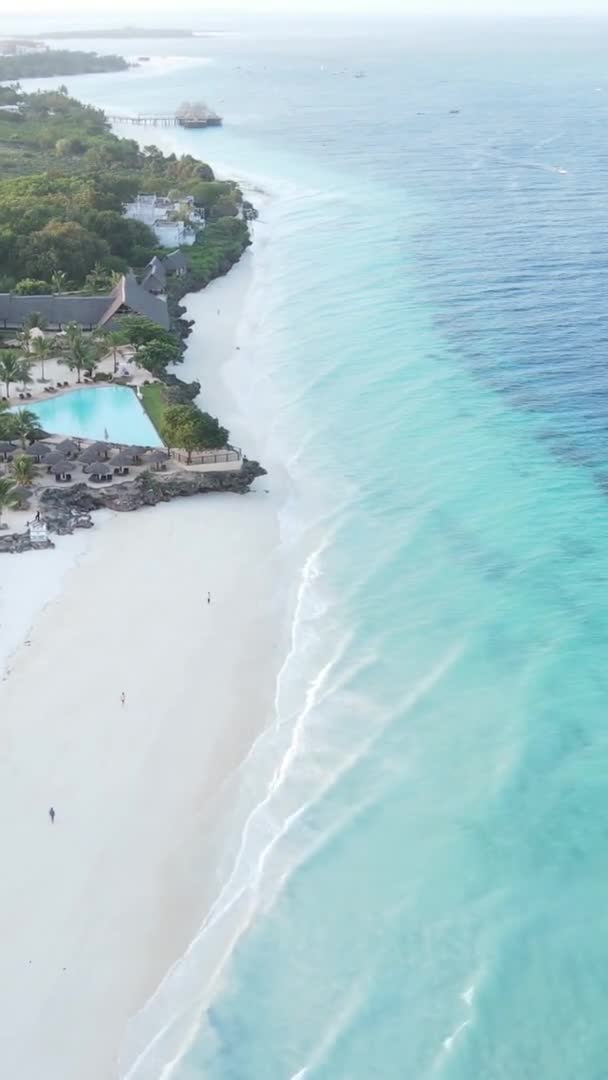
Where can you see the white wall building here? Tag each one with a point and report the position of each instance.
(173, 222)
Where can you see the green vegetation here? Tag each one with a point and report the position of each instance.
(24, 469)
(8, 494)
(155, 402)
(9, 368)
(64, 181)
(217, 249)
(35, 65)
(186, 427)
(22, 425)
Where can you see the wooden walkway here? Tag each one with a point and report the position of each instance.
(142, 118)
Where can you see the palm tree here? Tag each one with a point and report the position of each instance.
(8, 494)
(82, 352)
(59, 281)
(9, 368)
(23, 469)
(111, 341)
(26, 425)
(41, 350)
(25, 372)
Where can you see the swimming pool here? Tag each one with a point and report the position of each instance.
(113, 413)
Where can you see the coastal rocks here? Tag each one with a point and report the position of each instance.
(65, 509)
(15, 543)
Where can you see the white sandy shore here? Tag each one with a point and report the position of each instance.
(95, 908)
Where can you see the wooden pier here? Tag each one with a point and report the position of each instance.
(189, 115)
(143, 118)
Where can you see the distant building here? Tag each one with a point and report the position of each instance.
(174, 222)
(158, 270)
(90, 312)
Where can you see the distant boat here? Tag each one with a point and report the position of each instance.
(454, 111)
(360, 75)
(143, 57)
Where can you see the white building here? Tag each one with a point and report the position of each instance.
(173, 222)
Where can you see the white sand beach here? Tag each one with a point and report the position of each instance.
(96, 907)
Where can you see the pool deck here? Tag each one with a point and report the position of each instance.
(129, 374)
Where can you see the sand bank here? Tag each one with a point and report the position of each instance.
(98, 905)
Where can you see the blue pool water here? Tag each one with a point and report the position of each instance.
(420, 891)
(109, 412)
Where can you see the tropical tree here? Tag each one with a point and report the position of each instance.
(186, 427)
(8, 425)
(59, 281)
(156, 355)
(23, 469)
(111, 341)
(41, 349)
(8, 494)
(26, 425)
(140, 331)
(25, 372)
(9, 368)
(82, 352)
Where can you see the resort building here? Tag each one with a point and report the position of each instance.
(90, 312)
(174, 222)
(158, 270)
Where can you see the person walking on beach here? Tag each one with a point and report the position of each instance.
(123, 698)
(52, 815)
(208, 597)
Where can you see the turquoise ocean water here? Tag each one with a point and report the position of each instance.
(419, 890)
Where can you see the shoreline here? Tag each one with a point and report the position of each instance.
(137, 790)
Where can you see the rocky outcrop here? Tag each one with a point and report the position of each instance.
(14, 543)
(61, 507)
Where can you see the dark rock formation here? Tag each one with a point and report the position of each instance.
(13, 543)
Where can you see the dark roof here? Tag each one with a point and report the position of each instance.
(130, 294)
(176, 260)
(7, 447)
(152, 283)
(57, 310)
(89, 311)
(155, 266)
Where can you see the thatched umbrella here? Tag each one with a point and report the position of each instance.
(65, 467)
(7, 449)
(67, 448)
(100, 470)
(39, 449)
(122, 459)
(52, 459)
(95, 452)
(157, 459)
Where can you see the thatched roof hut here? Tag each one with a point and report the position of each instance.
(39, 449)
(156, 459)
(64, 467)
(68, 448)
(7, 449)
(100, 470)
(97, 451)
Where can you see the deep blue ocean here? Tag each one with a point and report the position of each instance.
(420, 890)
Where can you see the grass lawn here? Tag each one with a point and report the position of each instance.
(154, 402)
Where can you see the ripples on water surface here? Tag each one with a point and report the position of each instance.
(428, 861)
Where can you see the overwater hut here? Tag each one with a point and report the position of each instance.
(67, 448)
(39, 450)
(63, 470)
(7, 449)
(100, 471)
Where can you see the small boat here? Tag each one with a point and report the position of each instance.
(143, 57)
(360, 75)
